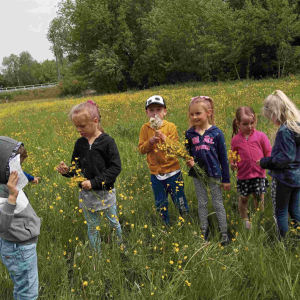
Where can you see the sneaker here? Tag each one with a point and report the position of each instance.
(247, 224)
(225, 239)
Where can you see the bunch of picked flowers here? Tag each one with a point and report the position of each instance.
(78, 178)
(177, 149)
(233, 157)
(156, 122)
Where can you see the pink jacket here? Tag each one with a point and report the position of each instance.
(256, 147)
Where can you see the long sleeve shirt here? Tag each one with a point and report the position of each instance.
(250, 150)
(209, 152)
(284, 162)
(158, 162)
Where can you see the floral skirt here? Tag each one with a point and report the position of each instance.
(252, 186)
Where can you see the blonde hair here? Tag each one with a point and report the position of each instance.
(208, 104)
(92, 110)
(279, 108)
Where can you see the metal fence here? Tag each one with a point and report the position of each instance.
(27, 87)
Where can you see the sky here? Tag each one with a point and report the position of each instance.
(23, 27)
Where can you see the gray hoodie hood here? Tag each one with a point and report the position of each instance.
(8, 150)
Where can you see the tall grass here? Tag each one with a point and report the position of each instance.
(158, 262)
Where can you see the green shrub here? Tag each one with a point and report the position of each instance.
(72, 86)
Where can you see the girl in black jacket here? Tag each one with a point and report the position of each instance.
(97, 156)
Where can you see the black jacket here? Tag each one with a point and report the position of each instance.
(100, 162)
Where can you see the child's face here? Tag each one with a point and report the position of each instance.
(84, 125)
(156, 109)
(198, 115)
(247, 124)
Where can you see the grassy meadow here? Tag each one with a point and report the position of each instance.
(158, 262)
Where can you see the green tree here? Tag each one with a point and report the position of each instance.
(184, 41)
(11, 71)
(96, 26)
(26, 68)
(45, 72)
(283, 27)
(58, 35)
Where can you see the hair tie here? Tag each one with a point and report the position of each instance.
(90, 101)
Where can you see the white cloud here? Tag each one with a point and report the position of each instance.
(36, 29)
(44, 6)
(28, 30)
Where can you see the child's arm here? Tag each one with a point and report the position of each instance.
(172, 135)
(267, 148)
(62, 168)
(190, 163)
(233, 164)
(222, 153)
(145, 144)
(112, 171)
(32, 178)
(7, 211)
(28, 176)
(66, 171)
(287, 152)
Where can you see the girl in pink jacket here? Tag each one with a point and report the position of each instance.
(250, 145)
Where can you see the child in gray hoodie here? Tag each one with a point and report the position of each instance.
(19, 225)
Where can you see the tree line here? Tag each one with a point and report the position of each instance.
(115, 45)
(24, 70)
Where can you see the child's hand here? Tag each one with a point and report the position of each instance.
(62, 168)
(190, 163)
(226, 186)
(154, 140)
(160, 135)
(233, 166)
(258, 162)
(11, 184)
(86, 185)
(36, 180)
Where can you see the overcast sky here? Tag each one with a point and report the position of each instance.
(23, 27)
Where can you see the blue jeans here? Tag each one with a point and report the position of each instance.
(161, 190)
(93, 220)
(286, 199)
(21, 263)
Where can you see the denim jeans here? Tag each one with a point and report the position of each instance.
(93, 220)
(21, 263)
(161, 190)
(286, 199)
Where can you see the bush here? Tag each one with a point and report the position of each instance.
(72, 86)
(7, 95)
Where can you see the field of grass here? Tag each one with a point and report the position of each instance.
(158, 262)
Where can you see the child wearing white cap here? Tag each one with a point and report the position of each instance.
(166, 177)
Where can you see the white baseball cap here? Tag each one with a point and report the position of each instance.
(155, 100)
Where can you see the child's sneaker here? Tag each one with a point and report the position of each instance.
(247, 224)
(225, 239)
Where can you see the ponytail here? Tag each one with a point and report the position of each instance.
(235, 128)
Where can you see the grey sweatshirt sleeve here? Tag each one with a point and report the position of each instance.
(6, 216)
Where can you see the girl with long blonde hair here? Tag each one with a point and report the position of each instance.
(284, 162)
